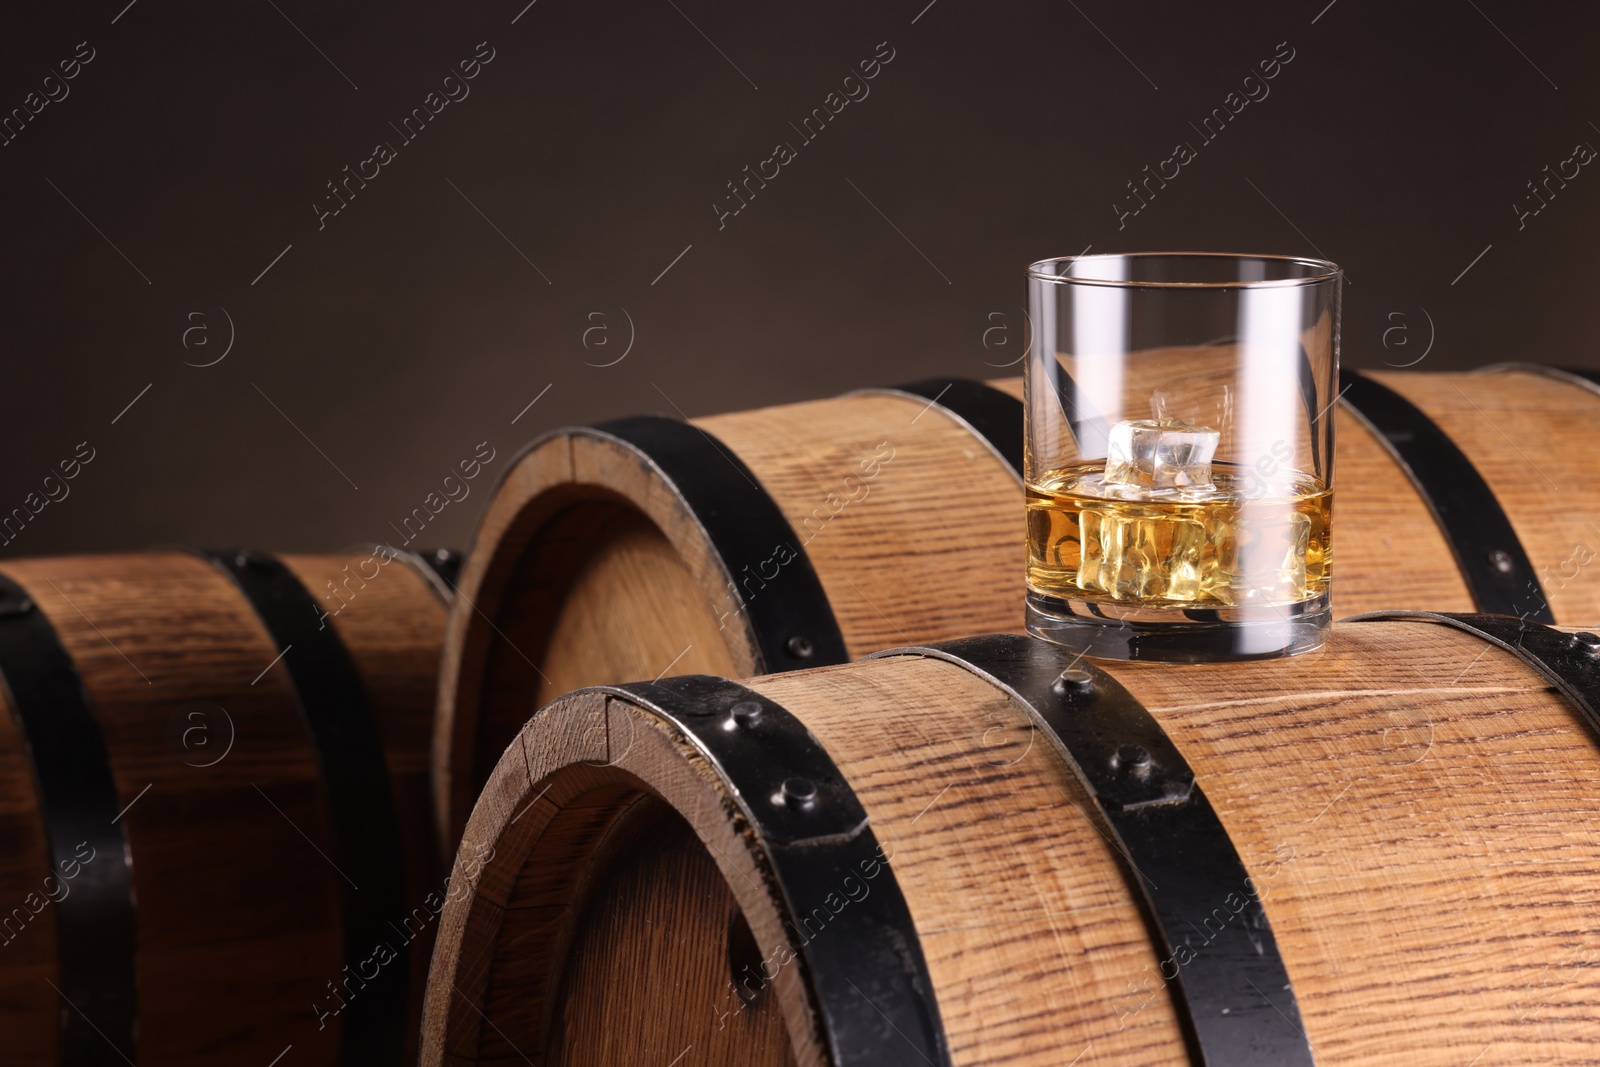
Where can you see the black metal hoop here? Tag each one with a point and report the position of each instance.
(1229, 981)
(865, 964)
(1568, 661)
(96, 921)
(368, 846)
(789, 614)
(1496, 567)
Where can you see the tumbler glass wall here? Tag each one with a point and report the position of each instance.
(1180, 453)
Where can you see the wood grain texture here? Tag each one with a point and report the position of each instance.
(541, 838)
(1420, 809)
(392, 625)
(1030, 937)
(1388, 549)
(624, 567)
(588, 568)
(857, 494)
(652, 939)
(1414, 806)
(890, 547)
(577, 516)
(238, 924)
(1528, 436)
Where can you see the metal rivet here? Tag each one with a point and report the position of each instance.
(253, 559)
(1587, 641)
(1072, 680)
(800, 647)
(799, 792)
(1133, 759)
(443, 555)
(746, 713)
(1500, 559)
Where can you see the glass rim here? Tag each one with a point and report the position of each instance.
(1324, 271)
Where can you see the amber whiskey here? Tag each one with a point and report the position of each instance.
(1222, 547)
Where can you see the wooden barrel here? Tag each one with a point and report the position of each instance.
(986, 852)
(214, 806)
(811, 533)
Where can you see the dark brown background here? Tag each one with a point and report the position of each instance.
(409, 329)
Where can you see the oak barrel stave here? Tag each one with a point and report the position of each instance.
(589, 567)
(1414, 807)
(1523, 430)
(239, 922)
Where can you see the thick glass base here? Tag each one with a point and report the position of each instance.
(1112, 631)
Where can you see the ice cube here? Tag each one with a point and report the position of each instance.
(1141, 557)
(1157, 455)
(1263, 559)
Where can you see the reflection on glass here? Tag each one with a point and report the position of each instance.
(1180, 445)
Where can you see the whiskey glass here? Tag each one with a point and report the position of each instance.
(1180, 454)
